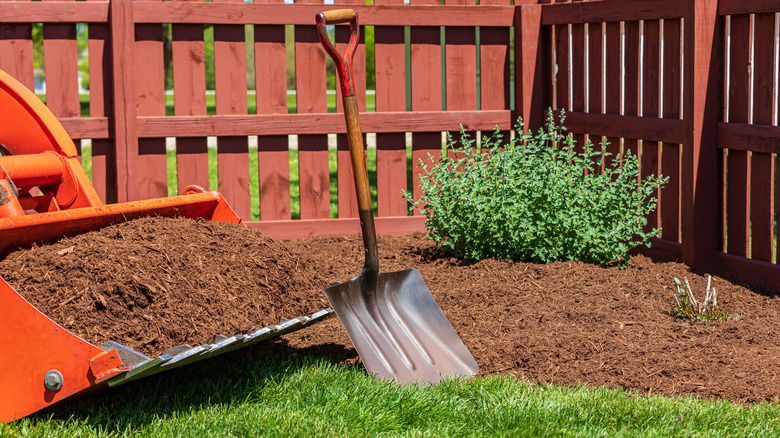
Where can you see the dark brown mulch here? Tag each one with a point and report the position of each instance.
(571, 322)
(156, 283)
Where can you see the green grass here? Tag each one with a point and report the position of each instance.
(274, 392)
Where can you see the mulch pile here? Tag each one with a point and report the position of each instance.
(156, 283)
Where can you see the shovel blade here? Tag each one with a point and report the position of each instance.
(398, 329)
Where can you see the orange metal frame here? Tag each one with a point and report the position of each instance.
(46, 195)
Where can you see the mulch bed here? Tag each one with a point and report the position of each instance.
(156, 283)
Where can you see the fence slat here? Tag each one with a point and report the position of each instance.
(100, 98)
(426, 92)
(577, 69)
(613, 72)
(762, 164)
(311, 86)
(230, 89)
(737, 190)
(670, 152)
(149, 168)
(16, 51)
(347, 198)
(651, 89)
(390, 96)
(189, 99)
(631, 83)
(595, 75)
(273, 153)
(494, 67)
(562, 66)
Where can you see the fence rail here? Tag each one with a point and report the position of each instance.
(689, 87)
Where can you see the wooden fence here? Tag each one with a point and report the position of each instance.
(688, 86)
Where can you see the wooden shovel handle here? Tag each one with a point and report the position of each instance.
(338, 16)
(357, 151)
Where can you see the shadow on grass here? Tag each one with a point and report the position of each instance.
(227, 379)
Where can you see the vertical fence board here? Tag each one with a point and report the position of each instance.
(100, 97)
(16, 51)
(390, 96)
(273, 153)
(670, 152)
(650, 103)
(494, 65)
(631, 82)
(148, 170)
(311, 95)
(762, 168)
(562, 66)
(60, 53)
(460, 64)
(738, 170)
(347, 198)
(189, 99)
(426, 92)
(595, 74)
(230, 89)
(613, 72)
(577, 69)
(532, 52)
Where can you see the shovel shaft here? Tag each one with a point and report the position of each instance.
(357, 150)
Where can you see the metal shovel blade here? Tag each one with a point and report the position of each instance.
(398, 329)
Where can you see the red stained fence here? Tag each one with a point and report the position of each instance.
(688, 86)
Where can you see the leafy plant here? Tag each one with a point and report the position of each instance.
(690, 309)
(536, 199)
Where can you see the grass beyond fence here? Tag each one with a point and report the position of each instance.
(275, 391)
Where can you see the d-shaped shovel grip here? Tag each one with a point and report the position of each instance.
(354, 134)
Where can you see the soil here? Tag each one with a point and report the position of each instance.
(156, 283)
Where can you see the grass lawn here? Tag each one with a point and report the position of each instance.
(270, 391)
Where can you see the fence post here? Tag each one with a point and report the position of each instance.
(700, 184)
(124, 127)
(529, 87)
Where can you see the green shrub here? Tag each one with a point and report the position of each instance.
(535, 199)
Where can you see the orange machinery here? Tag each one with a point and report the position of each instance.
(46, 195)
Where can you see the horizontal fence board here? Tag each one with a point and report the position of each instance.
(747, 137)
(378, 15)
(734, 7)
(632, 127)
(609, 11)
(743, 270)
(322, 123)
(302, 228)
(54, 12)
(86, 127)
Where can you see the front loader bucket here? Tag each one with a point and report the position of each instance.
(45, 195)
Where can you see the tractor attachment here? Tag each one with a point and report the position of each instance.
(46, 195)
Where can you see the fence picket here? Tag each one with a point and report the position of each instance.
(670, 152)
(737, 189)
(148, 164)
(631, 84)
(310, 79)
(426, 92)
(651, 89)
(189, 99)
(762, 163)
(273, 152)
(230, 89)
(390, 96)
(100, 98)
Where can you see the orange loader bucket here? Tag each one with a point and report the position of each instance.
(45, 195)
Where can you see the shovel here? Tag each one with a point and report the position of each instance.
(391, 317)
